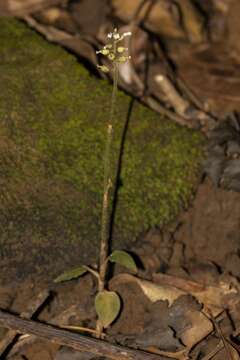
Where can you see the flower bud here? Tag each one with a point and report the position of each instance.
(111, 56)
(103, 51)
(123, 59)
(121, 49)
(103, 68)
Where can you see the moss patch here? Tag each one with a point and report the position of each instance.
(53, 117)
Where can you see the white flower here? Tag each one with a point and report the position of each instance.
(116, 36)
(113, 52)
(127, 34)
(124, 35)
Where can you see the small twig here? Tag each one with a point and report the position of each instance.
(212, 353)
(180, 82)
(58, 320)
(179, 104)
(75, 341)
(32, 308)
(80, 328)
(219, 331)
(177, 355)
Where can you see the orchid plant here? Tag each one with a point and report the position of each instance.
(107, 303)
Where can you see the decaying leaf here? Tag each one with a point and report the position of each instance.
(154, 292)
(197, 324)
(199, 329)
(215, 297)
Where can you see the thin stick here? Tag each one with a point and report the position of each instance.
(59, 320)
(179, 104)
(219, 331)
(32, 308)
(75, 341)
(213, 352)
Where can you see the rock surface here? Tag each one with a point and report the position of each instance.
(53, 127)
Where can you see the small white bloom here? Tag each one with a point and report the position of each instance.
(121, 49)
(124, 35)
(116, 36)
(110, 35)
(123, 59)
(128, 33)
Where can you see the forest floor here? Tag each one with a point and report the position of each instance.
(184, 302)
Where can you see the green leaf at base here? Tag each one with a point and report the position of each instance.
(123, 258)
(71, 274)
(107, 305)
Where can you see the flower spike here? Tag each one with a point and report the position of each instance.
(113, 52)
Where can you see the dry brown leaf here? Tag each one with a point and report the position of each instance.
(215, 297)
(153, 292)
(200, 327)
(193, 21)
(161, 17)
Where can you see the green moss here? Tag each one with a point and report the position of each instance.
(53, 129)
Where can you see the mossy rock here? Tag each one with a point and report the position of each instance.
(53, 117)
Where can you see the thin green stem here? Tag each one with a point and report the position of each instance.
(108, 191)
(115, 54)
(93, 272)
(108, 187)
